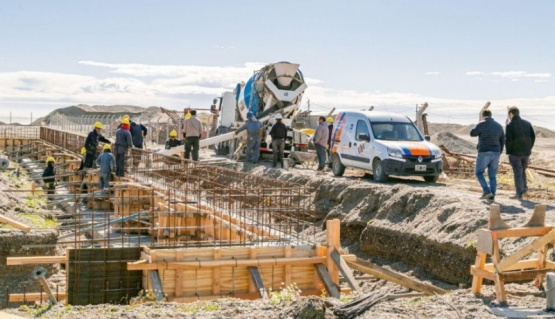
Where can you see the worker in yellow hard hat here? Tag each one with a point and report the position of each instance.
(172, 141)
(49, 176)
(107, 164)
(125, 117)
(187, 116)
(124, 142)
(330, 132)
(91, 144)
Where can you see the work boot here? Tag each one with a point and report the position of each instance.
(487, 195)
(516, 196)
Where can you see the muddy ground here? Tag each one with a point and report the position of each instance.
(425, 230)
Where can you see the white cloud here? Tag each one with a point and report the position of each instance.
(176, 86)
(432, 73)
(511, 75)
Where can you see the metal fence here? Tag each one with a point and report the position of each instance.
(19, 131)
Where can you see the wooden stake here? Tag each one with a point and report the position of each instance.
(14, 223)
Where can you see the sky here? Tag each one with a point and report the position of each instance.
(393, 55)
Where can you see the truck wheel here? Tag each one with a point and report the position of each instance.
(336, 166)
(378, 172)
(431, 179)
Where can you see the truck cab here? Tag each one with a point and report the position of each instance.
(384, 144)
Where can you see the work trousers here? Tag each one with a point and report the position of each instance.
(519, 165)
(253, 149)
(321, 152)
(489, 160)
(104, 180)
(278, 145)
(89, 159)
(120, 162)
(192, 142)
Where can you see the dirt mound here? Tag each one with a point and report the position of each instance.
(454, 143)
(543, 132)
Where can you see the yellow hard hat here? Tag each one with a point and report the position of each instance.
(329, 119)
(125, 121)
(125, 117)
(173, 133)
(50, 159)
(187, 116)
(83, 150)
(98, 125)
(107, 147)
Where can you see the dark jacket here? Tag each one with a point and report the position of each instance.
(173, 143)
(49, 173)
(123, 141)
(278, 131)
(490, 136)
(520, 137)
(91, 143)
(138, 131)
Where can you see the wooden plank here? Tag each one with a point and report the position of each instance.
(327, 281)
(227, 263)
(249, 296)
(521, 265)
(216, 284)
(522, 232)
(524, 274)
(156, 282)
(481, 273)
(14, 261)
(478, 265)
(345, 271)
(35, 296)
(14, 223)
(526, 250)
(179, 254)
(332, 240)
(287, 252)
(257, 280)
(382, 273)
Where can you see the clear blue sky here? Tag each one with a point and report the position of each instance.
(391, 54)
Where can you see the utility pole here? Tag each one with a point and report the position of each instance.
(308, 102)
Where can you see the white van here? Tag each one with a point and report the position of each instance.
(383, 143)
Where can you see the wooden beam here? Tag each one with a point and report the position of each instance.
(249, 296)
(327, 281)
(524, 251)
(14, 261)
(14, 223)
(333, 228)
(35, 296)
(227, 263)
(345, 271)
(482, 274)
(257, 280)
(520, 265)
(522, 232)
(477, 279)
(382, 273)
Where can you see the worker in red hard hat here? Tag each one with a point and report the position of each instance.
(123, 143)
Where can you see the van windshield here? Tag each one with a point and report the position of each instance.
(395, 131)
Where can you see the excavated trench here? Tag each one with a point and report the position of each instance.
(427, 225)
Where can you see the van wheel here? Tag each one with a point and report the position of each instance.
(336, 166)
(431, 179)
(378, 172)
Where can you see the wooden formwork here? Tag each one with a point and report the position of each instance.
(512, 268)
(191, 274)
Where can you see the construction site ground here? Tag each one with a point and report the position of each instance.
(424, 230)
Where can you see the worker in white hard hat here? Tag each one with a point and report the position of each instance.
(278, 134)
(49, 176)
(172, 141)
(91, 144)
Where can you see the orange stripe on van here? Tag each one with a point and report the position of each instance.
(417, 150)
(338, 131)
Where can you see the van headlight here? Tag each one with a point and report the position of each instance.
(436, 154)
(394, 152)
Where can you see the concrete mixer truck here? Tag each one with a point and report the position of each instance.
(275, 88)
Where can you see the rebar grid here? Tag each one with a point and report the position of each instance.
(19, 131)
(190, 204)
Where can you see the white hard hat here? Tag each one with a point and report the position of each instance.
(278, 116)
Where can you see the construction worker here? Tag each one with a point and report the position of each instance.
(81, 167)
(123, 143)
(138, 131)
(253, 126)
(192, 131)
(91, 144)
(107, 164)
(172, 141)
(321, 141)
(49, 176)
(278, 134)
(329, 120)
(520, 138)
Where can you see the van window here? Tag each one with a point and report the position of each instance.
(393, 131)
(362, 128)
